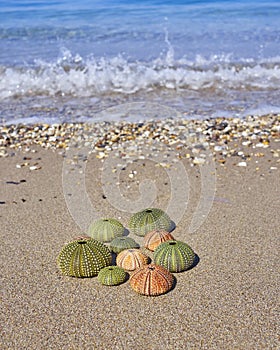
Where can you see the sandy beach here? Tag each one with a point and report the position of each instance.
(229, 300)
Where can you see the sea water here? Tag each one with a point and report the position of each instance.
(66, 60)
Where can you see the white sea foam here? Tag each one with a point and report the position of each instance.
(74, 76)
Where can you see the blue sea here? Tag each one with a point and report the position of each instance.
(66, 60)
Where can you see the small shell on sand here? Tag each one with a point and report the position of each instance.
(105, 230)
(121, 243)
(151, 280)
(148, 220)
(153, 239)
(112, 276)
(175, 256)
(131, 259)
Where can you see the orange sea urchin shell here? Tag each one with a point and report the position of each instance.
(153, 239)
(151, 280)
(131, 259)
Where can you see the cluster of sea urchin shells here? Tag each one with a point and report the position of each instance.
(149, 269)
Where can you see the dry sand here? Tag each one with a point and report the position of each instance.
(229, 300)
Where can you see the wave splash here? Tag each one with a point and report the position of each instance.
(71, 75)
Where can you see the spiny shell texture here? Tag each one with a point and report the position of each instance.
(175, 256)
(81, 237)
(104, 230)
(121, 243)
(148, 220)
(112, 275)
(131, 259)
(83, 258)
(151, 280)
(154, 238)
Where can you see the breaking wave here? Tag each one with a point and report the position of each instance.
(72, 75)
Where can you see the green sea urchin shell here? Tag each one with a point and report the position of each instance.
(83, 258)
(149, 219)
(121, 243)
(175, 256)
(104, 230)
(112, 275)
(81, 237)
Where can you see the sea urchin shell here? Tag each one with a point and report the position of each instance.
(154, 238)
(121, 243)
(112, 275)
(81, 237)
(151, 280)
(175, 256)
(131, 259)
(104, 230)
(83, 258)
(148, 220)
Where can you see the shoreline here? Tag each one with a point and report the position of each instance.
(169, 131)
(228, 300)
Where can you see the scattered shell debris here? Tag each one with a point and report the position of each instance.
(242, 164)
(195, 140)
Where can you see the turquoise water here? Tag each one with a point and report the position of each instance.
(68, 60)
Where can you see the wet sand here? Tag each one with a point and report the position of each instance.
(229, 300)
